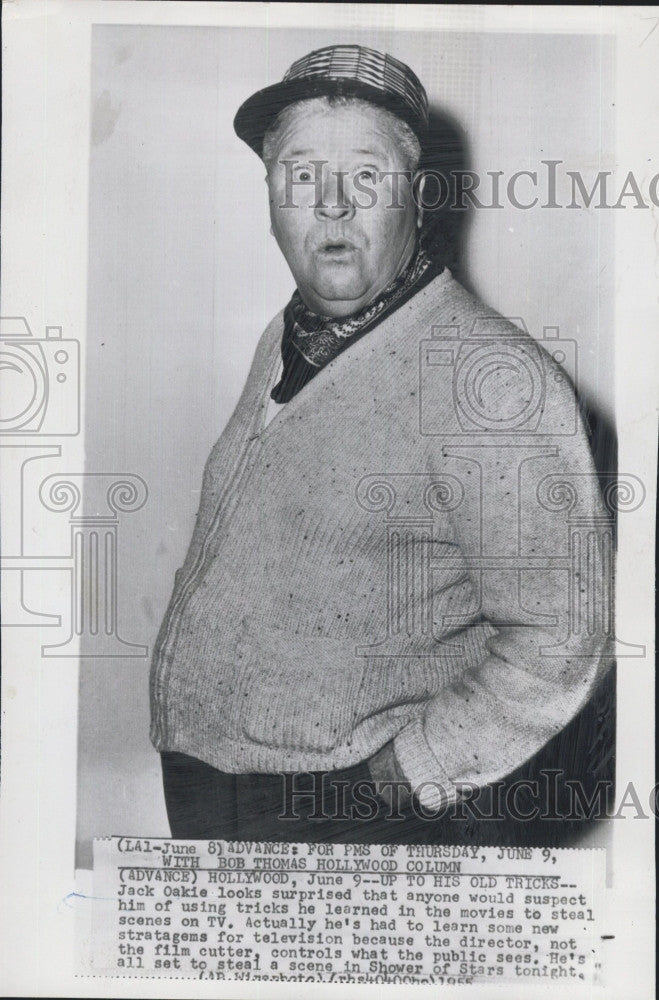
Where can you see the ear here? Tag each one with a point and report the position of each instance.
(419, 185)
(269, 200)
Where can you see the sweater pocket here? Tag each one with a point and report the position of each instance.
(303, 697)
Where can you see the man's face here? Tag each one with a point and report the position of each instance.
(345, 230)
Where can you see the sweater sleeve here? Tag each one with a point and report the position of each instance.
(536, 544)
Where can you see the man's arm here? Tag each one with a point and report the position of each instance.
(525, 690)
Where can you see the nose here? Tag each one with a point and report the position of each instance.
(333, 203)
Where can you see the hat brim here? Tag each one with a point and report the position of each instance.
(257, 114)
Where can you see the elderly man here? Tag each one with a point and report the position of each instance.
(373, 615)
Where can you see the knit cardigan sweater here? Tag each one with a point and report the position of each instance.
(351, 577)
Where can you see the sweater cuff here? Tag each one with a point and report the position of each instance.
(430, 783)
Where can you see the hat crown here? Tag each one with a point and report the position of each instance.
(366, 66)
(337, 71)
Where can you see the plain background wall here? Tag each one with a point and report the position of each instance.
(184, 276)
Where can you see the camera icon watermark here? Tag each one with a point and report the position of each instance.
(40, 381)
(496, 378)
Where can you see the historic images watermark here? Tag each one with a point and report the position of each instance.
(494, 443)
(40, 403)
(312, 184)
(318, 796)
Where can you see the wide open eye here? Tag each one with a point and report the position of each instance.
(366, 174)
(303, 172)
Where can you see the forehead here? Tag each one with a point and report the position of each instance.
(316, 126)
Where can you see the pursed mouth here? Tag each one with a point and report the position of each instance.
(336, 248)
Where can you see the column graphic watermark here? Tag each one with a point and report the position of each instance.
(40, 402)
(93, 557)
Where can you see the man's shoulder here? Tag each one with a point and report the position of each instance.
(496, 376)
(447, 313)
(446, 307)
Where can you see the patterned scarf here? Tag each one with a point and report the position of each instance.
(310, 341)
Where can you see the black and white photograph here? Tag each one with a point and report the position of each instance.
(328, 439)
